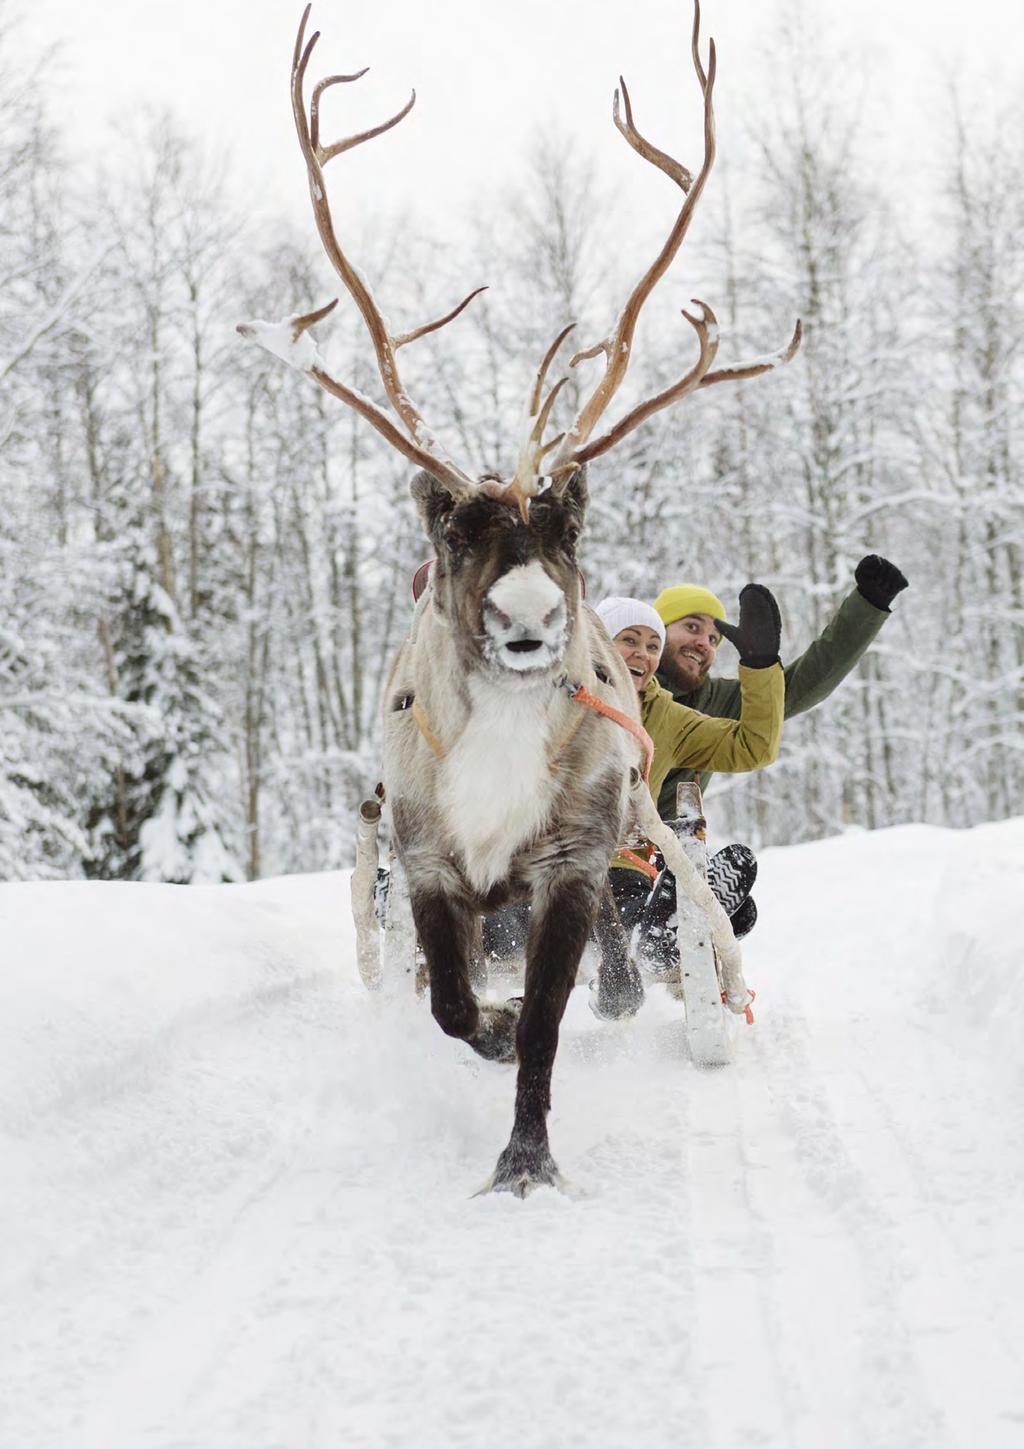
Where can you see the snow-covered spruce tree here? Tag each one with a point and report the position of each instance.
(571, 257)
(61, 733)
(173, 817)
(546, 270)
(165, 819)
(686, 486)
(61, 736)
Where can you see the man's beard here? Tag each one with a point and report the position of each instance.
(682, 683)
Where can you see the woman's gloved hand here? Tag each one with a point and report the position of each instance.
(759, 632)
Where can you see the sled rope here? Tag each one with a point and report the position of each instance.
(748, 1012)
(565, 742)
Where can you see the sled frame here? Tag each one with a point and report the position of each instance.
(707, 1026)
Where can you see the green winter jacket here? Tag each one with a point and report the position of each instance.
(808, 680)
(683, 735)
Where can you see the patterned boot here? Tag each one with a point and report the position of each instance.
(744, 920)
(731, 875)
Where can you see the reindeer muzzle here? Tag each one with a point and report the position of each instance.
(525, 619)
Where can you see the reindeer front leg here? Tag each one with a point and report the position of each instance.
(562, 913)
(446, 926)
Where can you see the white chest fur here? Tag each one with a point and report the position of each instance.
(496, 783)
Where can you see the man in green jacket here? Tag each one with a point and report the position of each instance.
(693, 618)
(694, 624)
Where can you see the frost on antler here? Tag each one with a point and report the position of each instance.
(294, 345)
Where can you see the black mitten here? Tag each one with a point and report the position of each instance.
(759, 631)
(878, 580)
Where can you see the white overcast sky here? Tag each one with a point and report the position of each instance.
(487, 76)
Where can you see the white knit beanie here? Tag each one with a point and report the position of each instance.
(617, 613)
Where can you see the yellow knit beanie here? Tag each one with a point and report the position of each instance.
(682, 599)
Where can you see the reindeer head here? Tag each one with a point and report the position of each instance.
(505, 577)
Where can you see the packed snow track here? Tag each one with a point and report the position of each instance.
(237, 1205)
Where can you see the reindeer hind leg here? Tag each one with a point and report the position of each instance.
(620, 990)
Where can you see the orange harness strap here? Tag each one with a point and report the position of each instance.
(423, 725)
(582, 695)
(648, 867)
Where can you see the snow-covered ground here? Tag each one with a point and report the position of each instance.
(236, 1189)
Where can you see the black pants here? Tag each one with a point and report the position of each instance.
(505, 931)
(630, 889)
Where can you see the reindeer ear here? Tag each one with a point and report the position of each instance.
(576, 495)
(433, 501)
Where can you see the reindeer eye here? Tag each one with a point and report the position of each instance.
(571, 535)
(456, 542)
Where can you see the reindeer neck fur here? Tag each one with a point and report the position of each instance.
(495, 786)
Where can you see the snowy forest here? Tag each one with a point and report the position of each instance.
(205, 562)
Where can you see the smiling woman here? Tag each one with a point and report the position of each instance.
(637, 633)
(640, 647)
(682, 735)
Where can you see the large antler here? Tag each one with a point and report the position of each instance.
(576, 448)
(290, 340)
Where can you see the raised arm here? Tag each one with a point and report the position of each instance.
(845, 639)
(695, 741)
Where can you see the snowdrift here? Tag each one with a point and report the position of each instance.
(237, 1208)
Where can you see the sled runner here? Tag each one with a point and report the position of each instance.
(385, 938)
(697, 974)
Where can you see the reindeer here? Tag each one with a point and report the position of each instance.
(513, 752)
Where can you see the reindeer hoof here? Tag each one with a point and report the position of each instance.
(495, 1036)
(520, 1170)
(616, 1005)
